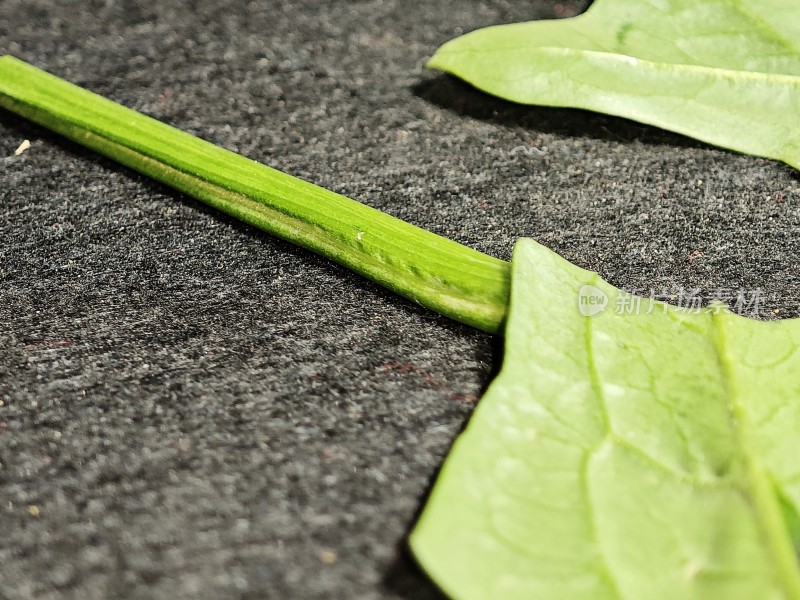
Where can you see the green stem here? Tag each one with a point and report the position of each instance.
(440, 274)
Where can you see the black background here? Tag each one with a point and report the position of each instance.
(198, 410)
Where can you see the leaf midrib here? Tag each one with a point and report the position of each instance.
(784, 78)
(760, 491)
(758, 487)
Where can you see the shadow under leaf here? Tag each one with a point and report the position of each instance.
(450, 93)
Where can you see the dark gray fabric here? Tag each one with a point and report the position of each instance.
(197, 410)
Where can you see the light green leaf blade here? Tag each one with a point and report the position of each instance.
(723, 71)
(623, 456)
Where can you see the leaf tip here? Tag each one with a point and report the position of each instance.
(436, 62)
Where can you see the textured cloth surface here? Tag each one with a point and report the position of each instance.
(193, 409)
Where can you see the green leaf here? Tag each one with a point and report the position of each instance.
(623, 456)
(723, 71)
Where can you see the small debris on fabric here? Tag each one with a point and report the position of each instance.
(22, 147)
(328, 557)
